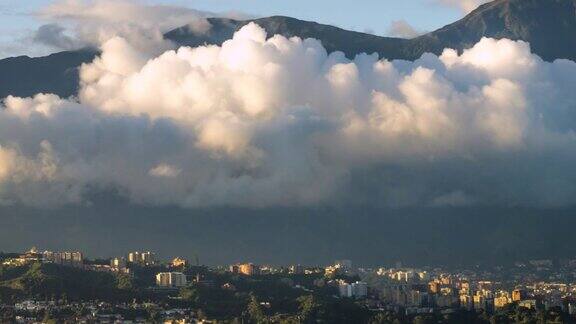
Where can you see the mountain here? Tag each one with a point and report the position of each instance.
(548, 25)
(57, 73)
(333, 38)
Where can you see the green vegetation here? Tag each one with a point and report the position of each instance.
(45, 281)
(222, 296)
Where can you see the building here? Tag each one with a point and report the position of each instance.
(30, 256)
(339, 267)
(360, 289)
(345, 290)
(296, 269)
(518, 295)
(142, 258)
(179, 262)
(502, 299)
(405, 276)
(134, 257)
(481, 301)
(118, 263)
(248, 269)
(423, 276)
(234, 268)
(171, 279)
(446, 301)
(148, 258)
(75, 259)
(571, 308)
(345, 265)
(467, 302)
(552, 301)
(528, 303)
(434, 287)
(355, 290)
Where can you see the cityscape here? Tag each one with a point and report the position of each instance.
(140, 287)
(287, 162)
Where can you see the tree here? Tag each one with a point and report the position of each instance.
(308, 308)
(383, 318)
(255, 310)
(124, 282)
(190, 295)
(154, 314)
(201, 315)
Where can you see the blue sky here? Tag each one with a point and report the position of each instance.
(361, 15)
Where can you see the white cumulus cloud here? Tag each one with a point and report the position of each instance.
(402, 29)
(465, 6)
(278, 122)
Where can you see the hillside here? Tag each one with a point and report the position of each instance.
(48, 280)
(549, 26)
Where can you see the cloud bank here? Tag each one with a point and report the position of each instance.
(465, 6)
(81, 23)
(262, 122)
(402, 29)
(75, 24)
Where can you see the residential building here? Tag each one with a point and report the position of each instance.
(179, 262)
(171, 279)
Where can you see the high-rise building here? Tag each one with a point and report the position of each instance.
(345, 290)
(234, 268)
(171, 279)
(179, 262)
(296, 269)
(467, 301)
(64, 258)
(357, 289)
(434, 287)
(118, 263)
(142, 258)
(134, 257)
(148, 257)
(249, 269)
(518, 295)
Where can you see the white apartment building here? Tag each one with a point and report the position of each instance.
(171, 279)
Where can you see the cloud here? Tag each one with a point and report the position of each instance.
(402, 29)
(121, 12)
(74, 24)
(465, 6)
(260, 122)
(453, 199)
(164, 170)
(95, 22)
(54, 36)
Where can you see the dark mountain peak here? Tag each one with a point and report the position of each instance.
(548, 25)
(56, 73)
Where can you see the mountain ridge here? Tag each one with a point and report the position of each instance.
(549, 26)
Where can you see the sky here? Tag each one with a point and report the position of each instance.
(375, 16)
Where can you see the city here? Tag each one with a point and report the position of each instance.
(140, 287)
(288, 162)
